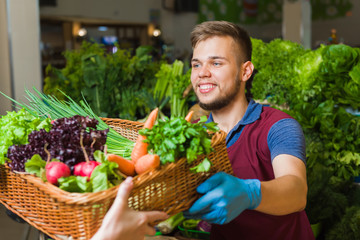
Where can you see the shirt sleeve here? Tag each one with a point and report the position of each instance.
(286, 137)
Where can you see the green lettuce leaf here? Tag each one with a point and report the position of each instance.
(105, 176)
(355, 73)
(35, 165)
(339, 58)
(274, 67)
(75, 184)
(15, 128)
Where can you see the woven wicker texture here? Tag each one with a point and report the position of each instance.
(64, 215)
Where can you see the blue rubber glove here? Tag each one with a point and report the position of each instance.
(225, 197)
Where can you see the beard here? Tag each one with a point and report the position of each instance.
(222, 101)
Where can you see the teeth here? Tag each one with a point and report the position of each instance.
(203, 87)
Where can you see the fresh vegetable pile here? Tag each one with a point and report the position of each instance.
(166, 141)
(68, 141)
(43, 106)
(69, 155)
(71, 152)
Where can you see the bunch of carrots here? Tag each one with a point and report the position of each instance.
(141, 160)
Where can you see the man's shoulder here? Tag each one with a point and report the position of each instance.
(273, 112)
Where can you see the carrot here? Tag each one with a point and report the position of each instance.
(189, 116)
(150, 121)
(125, 166)
(140, 148)
(146, 163)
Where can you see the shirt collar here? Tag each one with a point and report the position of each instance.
(252, 114)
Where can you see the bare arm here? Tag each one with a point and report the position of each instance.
(287, 192)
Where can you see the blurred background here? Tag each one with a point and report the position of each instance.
(35, 33)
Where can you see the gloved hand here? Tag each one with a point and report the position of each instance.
(225, 197)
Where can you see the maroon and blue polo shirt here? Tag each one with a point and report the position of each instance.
(261, 135)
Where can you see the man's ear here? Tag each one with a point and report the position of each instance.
(247, 70)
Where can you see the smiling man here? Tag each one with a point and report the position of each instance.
(266, 197)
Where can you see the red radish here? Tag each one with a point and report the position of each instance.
(85, 169)
(56, 170)
(78, 169)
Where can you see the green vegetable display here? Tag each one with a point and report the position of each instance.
(320, 88)
(110, 82)
(126, 84)
(274, 63)
(172, 82)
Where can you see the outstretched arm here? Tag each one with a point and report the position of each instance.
(287, 192)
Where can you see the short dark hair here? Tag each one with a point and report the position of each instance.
(209, 29)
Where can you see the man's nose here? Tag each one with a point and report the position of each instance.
(204, 71)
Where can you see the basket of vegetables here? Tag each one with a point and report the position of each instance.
(65, 178)
(188, 155)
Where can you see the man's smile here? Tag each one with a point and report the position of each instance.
(205, 88)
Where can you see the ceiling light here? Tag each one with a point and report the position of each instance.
(156, 32)
(82, 32)
(103, 28)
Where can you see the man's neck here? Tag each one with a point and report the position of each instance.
(229, 116)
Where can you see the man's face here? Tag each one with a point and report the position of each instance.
(215, 72)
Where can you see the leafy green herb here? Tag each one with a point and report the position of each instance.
(175, 138)
(204, 166)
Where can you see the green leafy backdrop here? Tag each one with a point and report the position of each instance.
(320, 88)
(261, 12)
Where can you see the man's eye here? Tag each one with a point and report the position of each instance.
(195, 65)
(217, 64)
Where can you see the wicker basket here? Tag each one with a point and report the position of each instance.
(64, 215)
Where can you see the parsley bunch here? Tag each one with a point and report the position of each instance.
(175, 138)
